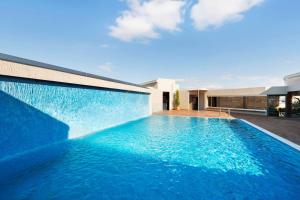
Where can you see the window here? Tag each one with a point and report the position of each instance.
(212, 101)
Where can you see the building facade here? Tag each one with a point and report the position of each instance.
(162, 93)
(278, 101)
(285, 100)
(242, 99)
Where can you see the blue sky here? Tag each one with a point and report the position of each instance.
(202, 43)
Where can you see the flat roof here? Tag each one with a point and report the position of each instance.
(276, 90)
(295, 75)
(24, 61)
(149, 82)
(195, 90)
(254, 91)
(157, 80)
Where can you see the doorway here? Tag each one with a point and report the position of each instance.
(194, 102)
(166, 100)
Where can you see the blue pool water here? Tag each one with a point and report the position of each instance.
(35, 113)
(164, 158)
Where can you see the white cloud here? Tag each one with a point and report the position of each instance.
(145, 18)
(214, 13)
(104, 45)
(106, 67)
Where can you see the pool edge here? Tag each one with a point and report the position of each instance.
(281, 139)
(229, 118)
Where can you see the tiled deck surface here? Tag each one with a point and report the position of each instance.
(286, 128)
(202, 113)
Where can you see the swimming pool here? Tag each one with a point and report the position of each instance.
(161, 157)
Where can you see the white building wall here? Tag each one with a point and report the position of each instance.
(293, 82)
(255, 91)
(184, 99)
(157, 88)
(168, 85)
(155, 100)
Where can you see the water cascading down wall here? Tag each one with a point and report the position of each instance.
(36, 113)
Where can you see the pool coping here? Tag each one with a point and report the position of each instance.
(281, 139)
(167, 115)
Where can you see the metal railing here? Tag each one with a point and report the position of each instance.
(228, 111)
(238, 110)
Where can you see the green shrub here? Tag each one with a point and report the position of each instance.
(176, 99)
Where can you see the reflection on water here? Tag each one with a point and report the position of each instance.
(165, 158)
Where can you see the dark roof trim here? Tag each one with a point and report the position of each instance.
(24, 61)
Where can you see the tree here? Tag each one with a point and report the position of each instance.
(176, 100)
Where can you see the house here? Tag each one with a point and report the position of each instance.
(162, 93)
(274, 101)
(249, 100)
(239, 100)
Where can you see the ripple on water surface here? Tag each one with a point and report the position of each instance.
(166, 158)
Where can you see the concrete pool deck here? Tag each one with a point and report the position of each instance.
(192, 113)
(288, 128)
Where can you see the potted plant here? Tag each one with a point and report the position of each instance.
(176, 100)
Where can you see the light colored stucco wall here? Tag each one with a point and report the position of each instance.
(184, 99)
(157, 87)
(255, 91)
(168, 85)
(8, 68)
(293, 82)
(155, 100)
